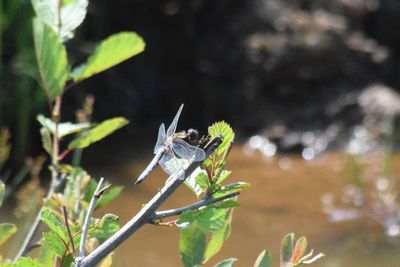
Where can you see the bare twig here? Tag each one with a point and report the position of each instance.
(35, 245)
(89, 214)
(71, 239)
(146, 214)
(195, 206)
(64, 153)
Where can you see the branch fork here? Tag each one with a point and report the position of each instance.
(148, 213)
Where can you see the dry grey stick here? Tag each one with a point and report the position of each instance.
(145, 215)
(194, 206)
(86, 224)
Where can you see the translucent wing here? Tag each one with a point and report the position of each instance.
(170, 164)
(172, 128)
(160, 139)
(187, 151)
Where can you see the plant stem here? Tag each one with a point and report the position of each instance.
(76, 157)
(58, 16)
(197, 205)
(146, 214)
(64, 154)
(71, 239)
(35, 224)
(56, 118)
(89, 214)
(54, 180)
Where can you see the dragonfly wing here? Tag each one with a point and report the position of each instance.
(170, 164)
(160, 139)
(186, 151)
(172, 128)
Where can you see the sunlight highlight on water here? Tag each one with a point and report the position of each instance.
(260, 144)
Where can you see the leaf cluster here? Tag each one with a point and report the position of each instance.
(205, 230)
(71, 187)
(55, 24)
(292, 253)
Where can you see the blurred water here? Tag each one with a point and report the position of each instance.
(285, 197)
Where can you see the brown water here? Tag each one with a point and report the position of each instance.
(285, 196)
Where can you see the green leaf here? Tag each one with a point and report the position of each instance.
(188, 216)
(46, 10)
(64, 19)
(222, 176)
(192, 245)
(67, 1)
(202, 181)
(110, 52)
(90, 190)
(299, 249)
(219, 237)
(191, 183)
(104, 227)
(76, 238)
(52, 60)
(224, 129)
(6, 231)
(2, 192)
(109, 196)
(24, 262)
(211, 219)
(73, 186)
(214, 187)
(217, 241)
(264, 259)
(67, 169)
(230, 188)
(68, 261)
(52, 221)
(46, 254)
(64, 128)
(287, 246)
(46, 140)
(226, 263)
(229, 204)
(54, 243)
(99, 132)
(73, 13)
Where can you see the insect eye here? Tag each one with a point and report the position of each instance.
(192, 134)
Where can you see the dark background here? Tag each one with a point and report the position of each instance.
(253, 63)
